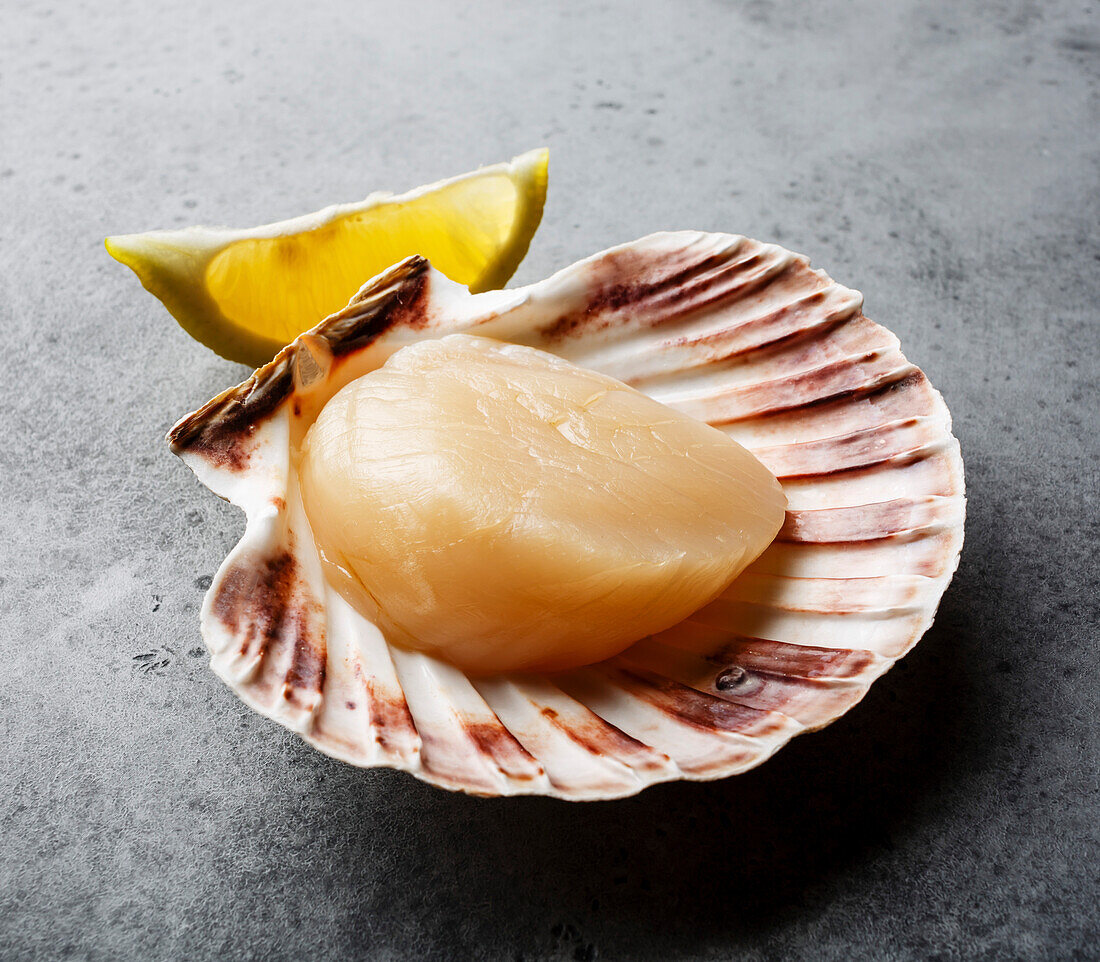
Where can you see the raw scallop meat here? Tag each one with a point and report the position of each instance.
(504, 509)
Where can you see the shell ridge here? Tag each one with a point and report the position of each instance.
(697, 752)
(477, 720)
(220, 427)
(887, 439)
(448, 756)
(799, 700)
(573, 767)
(386, 724)
(704, 708)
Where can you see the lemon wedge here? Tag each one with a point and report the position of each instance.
(246, 293)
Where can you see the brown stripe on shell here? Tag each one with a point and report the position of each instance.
(608, 293)
(795, 661)
(391, 722)
(863, 372)
(906, 458)
(397, 298)
(869, 522)
(805, 312)
(496, 742)
(690, 706)
(859, 449)
(252, 600)
(711, 649)
(460, 766)
(631, 289)
(718, 287)
(697, 751)
(768, 332)
(699, 373)
(809, 702)
(305, 679)
(221, 430)
(268, 610)
(663, 365)
(743, 681)
(600, 738)
(928, 471)
(787, 302)
(908, 396)
(812, 349)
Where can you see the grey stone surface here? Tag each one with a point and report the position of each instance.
(941, 157)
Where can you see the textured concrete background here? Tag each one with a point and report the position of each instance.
(941, 157)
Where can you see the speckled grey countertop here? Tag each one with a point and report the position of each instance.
(941, 157)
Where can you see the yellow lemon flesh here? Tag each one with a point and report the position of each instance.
(246, 293)
(504, 509)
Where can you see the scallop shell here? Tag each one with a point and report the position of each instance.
(736, 332)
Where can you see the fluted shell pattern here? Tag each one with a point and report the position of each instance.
(738, 333)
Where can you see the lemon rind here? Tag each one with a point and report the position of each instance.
(171, 264)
